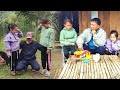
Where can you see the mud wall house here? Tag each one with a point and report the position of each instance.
(110, 20)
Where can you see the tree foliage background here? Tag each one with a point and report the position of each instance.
(26, 20)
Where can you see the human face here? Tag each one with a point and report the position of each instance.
(29, 40)
(46, 25)
(15, 30)
(94, 25)
(68, 25)
(113, 37)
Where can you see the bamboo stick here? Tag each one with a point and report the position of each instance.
(116, 69)
(81, 71)
(106, 70)
(109, 68)
(63, 71)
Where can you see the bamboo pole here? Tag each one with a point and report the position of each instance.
(81, 71)
(106, 70)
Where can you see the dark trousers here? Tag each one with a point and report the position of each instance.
(100, 49)
(45, 58)
(66, 50)
(23, 64)
(13, 60)
(111, 53)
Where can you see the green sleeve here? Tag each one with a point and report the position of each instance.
(51, 40)
(63, 42)
(73, 40)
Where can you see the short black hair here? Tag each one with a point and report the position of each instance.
(67, 20)
(11, 26)
(114, 32)
(4, 56)
(97, 20)
(45, 21)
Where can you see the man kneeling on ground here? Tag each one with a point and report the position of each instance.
(27, 54)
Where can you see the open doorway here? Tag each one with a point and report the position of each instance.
(59, 17)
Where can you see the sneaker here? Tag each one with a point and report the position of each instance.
(33, 70)
(43, 71)
(47, 73)
(12, 73)
(18, 72)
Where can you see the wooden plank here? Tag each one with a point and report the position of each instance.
(63, 71)
(98, 70)
(102, 66)
(105, 18)
(95, 70)
(114, 21)
(84, 74)
(85, 19)
(117, 61)
(92, 69)
(56, 73)
(72, 71)
(113, 67)
(78, 71)
(81, 71)
(75, 69)
(67, 70)
(106, 70)
(109, 67)
(89, 70)
(116, 67)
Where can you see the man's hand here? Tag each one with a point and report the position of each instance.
(93, 32)
(80, 47)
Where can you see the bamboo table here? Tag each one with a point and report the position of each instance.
(107, 68)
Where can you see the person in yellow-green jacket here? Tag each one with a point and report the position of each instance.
(47, 37)
(68, 37)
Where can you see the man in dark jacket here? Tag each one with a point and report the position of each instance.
(27, 55)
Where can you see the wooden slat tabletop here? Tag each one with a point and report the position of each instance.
(107, 68)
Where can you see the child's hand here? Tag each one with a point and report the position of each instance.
(48, 51)
(72, 44)
(66, 40)
(18, 30)
(40, 26)
(8, 54)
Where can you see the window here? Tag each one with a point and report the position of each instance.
(93, 14)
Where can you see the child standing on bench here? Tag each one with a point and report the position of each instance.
(12, 46)
(113, 44)
(68, 37)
